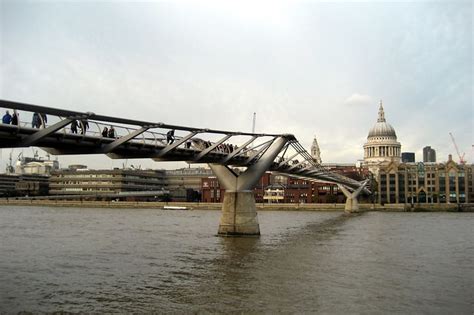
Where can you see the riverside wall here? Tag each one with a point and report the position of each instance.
(218, 206)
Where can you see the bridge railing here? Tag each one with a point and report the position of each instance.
(154, 135)
(245, 149)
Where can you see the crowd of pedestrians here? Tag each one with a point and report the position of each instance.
(226, 148)
(200, 144)
(10, 119)
(39, 120)
(83, 125)
(108, 132)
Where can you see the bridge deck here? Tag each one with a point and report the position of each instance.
(140, 139)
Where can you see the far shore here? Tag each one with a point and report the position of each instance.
(217, 206)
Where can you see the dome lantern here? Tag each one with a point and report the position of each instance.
(381, 113)
(382, 128)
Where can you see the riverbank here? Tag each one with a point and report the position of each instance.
(218, 206)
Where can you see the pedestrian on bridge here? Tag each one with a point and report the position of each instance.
(111, 132)
(7, 118)
(170, 137)
(105, 132)
(43, 120)
(84, 126)
(15, 117)
(35, 122)
(74, 126)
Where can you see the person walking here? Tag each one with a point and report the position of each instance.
(111, 132)
(74, 126)
(35, 122)
(105, 132)
(170, 137)
(43, 120)
(84, 126)
(7, 118)
(15, 117)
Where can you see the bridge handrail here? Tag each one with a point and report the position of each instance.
(110, 119)
(307, 167)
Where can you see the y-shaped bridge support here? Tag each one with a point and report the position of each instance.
(239, 215)
(352, 204)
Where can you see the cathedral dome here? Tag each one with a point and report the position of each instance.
(382, 128)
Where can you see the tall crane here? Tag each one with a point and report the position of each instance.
(461, 157)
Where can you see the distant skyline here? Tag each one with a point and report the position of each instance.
(306, 68)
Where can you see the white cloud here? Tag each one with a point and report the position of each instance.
(358, 100)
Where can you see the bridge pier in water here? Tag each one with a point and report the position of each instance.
(352, 203)
(239, 214)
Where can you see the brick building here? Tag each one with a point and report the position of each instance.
(281, 189)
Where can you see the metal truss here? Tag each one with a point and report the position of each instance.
(144, 139)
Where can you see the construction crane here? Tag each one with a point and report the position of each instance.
(461, 157)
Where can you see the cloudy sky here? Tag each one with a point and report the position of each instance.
(305, 67)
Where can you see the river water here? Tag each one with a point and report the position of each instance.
(148, 260)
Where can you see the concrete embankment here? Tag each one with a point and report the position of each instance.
(218, 206)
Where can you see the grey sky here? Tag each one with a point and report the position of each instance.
(307, 68)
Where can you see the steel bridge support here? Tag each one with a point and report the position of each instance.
(239, 214)
(352, 204)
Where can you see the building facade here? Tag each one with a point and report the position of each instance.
(281, 189)
(425, 183)
(185, 184)
(408, 157)
(18, 185)
(429, 154)
(105, 182)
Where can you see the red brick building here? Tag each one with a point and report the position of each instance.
(213, 192)
(281, 189)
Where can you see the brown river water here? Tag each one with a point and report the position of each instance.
(148, 260)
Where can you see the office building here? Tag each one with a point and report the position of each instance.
(408, 157)
(425, 183)
(429, 154)
(132, 184)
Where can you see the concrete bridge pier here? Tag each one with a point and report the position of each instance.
(239, 214)
(352, 203)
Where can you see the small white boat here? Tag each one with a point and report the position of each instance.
(174, 208)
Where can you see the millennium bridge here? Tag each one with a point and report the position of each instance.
(238, 159)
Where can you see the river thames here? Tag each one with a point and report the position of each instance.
(148, 260)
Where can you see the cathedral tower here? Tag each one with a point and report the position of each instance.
(381, 146)
(315, 152)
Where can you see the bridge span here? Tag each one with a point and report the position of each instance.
(238, 159)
